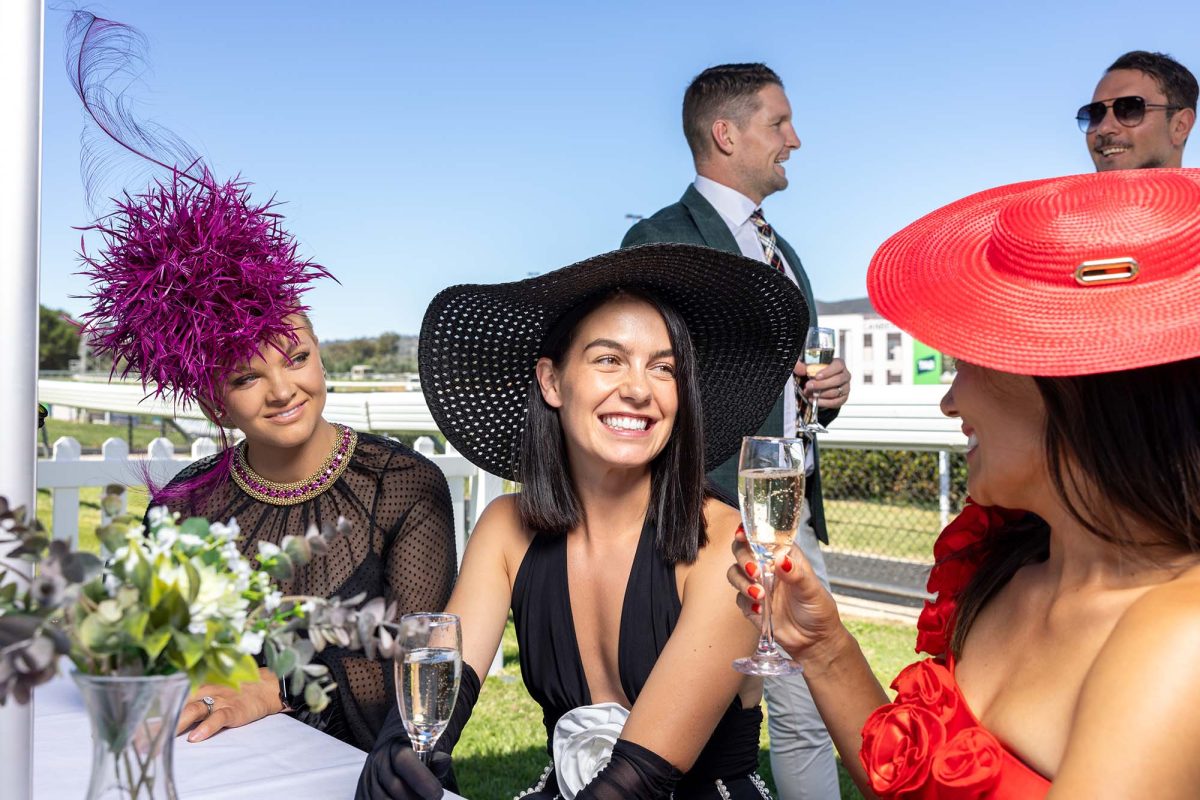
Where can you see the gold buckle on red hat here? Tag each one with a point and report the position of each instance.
(1105, 271)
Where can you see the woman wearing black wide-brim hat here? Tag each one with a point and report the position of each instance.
(607, 389)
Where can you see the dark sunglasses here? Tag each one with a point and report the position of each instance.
(1129, 111)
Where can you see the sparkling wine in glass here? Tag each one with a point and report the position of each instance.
(428, 669)
(771, 494)
(818, 354)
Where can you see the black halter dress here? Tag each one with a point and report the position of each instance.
(553, 671)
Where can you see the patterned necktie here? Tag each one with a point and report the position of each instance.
(766, 238)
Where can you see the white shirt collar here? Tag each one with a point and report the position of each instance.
(733, 206)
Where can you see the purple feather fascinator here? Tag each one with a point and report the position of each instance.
(193, 277)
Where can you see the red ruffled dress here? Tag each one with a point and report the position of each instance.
(927, 745)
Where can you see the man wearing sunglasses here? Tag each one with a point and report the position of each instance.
(1141, 113)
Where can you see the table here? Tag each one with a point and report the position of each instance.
(274, 757)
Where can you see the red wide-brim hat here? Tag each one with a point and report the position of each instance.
(1063, 276)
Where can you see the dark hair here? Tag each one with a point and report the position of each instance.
(727, 91)
(1119, 445)
(1173, 78)
(548, 501)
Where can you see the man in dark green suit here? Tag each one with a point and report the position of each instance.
(738, 124)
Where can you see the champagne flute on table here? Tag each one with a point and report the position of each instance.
(428, 669)
(818, 354)
(771, 495)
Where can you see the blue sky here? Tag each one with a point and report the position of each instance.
(419, 145)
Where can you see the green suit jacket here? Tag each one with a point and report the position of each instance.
(693, 220)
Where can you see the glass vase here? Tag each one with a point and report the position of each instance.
(133, 734)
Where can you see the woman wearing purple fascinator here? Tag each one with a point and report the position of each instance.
(197, 291)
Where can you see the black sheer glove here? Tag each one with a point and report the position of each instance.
(394, 772)
(633, 773)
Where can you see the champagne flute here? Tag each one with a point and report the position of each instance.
(771, 491)
(428, 669)
(818, 354)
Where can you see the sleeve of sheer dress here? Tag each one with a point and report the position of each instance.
(632, 773)
(421, 560)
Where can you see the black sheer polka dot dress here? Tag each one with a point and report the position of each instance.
(401, 546)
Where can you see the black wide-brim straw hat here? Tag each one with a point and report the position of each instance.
(480, 343)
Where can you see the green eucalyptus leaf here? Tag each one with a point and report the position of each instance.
(281, 568)
(111, 536)
(81, 567)
(285, 662)
(297, 549)
(315, 698)
(127, 596)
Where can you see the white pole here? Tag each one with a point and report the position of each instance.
(944, 486)
(21, 23)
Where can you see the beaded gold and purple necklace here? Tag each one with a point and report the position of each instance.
(290, 494)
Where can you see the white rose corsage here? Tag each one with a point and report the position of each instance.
(583, 743)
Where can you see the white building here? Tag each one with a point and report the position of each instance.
(876, 352)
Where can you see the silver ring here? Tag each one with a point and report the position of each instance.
(208, 703)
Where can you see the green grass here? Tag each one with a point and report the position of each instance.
(89, 513)
(895, 530)
(503, 749)
(94, 435)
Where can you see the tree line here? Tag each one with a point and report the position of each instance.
(58, 346)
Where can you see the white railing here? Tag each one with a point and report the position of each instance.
(877, 417)
(363, 411)
(66, 471)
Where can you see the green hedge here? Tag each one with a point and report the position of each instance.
(890, 476)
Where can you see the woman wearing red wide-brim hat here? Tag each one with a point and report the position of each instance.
(1065, 631)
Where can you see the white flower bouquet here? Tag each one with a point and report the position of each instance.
(176, 597)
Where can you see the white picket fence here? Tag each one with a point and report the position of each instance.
(363, 411)
(66, 471)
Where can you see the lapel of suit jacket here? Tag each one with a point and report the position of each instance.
(793, 261)
(717, 235)
(712, 228)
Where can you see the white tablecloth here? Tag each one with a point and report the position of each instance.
(276, 757)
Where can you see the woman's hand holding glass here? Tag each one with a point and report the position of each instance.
(804, 614)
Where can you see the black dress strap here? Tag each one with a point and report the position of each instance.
(553, 670)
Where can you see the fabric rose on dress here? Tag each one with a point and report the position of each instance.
(930, 685)
(968, 766)
(933, 627)
(899, 741)
(949, 577)
(964, 531)
(583, 744)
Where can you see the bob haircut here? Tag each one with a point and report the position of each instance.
(548, 501)
(1119, 446)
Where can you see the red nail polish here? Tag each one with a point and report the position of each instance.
(751, 568)
(755, 608)
(740, 529)
(755, 592)
(786, 564)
